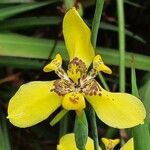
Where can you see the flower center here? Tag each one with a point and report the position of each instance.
(76, 79)
(77, 82)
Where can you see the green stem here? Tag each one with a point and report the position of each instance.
(69, 3)
(94, 129)
(95, 27)
(103, 81)
(63, 125)
(121, 24)
(96, 21)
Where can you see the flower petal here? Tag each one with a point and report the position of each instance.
(110, 143)
(119, 110)
(77, 37)
(67, 142)
(99, 65)
(33, 103)
(54, 64)
(73, 101)
(129, 145)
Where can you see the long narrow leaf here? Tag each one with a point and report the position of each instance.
(13, 45)
(133, 4)
(16, 1)
(4, 138)
(140, 133)
(29, 22)
(145, 95)
(81, 130)
(16, 9)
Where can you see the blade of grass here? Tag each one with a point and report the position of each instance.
(16, 9)
(121, 26)
(110, 27)
(4, 138)
(95, 28)
(2, 142)
(15, 1)
(145, 95)
(133, 4)
(28, 22)
(14, 45)
(140, 133)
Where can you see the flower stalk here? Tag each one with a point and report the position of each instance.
(121, 24)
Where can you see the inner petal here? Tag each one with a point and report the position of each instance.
(76, 69)
(54, 64)
(99, 65)
(73, 101)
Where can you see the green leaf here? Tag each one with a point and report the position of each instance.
(14, 45)
(140, 133)
(28, 22)
(110, 27)
(81, 130)
(16, 9)
(15, 1)
(145, 95)
(58, 117)
(133, 4)
(141, 137)
(4, 137)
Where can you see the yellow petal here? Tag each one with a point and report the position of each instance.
(110, 143)
(99, 65)
(33, 103)
(54, 64)
(73, 101)
(118, 110)
(67, 142)
(77, 37)
(129, 145)
(74, 73)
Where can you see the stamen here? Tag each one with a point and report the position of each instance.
(62, 74)
(91, 88)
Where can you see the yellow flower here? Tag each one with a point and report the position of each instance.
(67, 142)
(110, 144)
(36, 100)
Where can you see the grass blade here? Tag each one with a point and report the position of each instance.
(16, 9)
(121, 27)
(4, 138)
(141, 131)
(15, 1)
(28, 22)
(14, 45)
(133, 4)
(145, 95)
